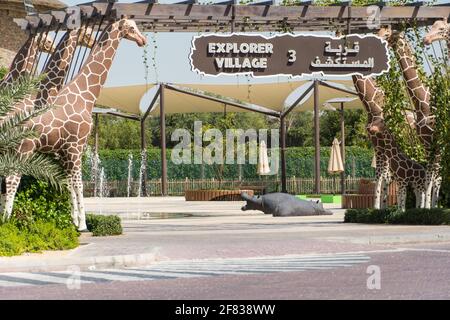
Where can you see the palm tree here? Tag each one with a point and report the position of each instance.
(13, 131)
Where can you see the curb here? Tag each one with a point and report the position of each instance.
(83, 263)
(396, 239)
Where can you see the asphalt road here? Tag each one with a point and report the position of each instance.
(418, 271)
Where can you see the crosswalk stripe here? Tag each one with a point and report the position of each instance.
(167, 270)
(50, 277)
(23, 280)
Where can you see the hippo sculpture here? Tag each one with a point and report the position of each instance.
(283, 205)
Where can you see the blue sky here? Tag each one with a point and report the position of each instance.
(172, 63)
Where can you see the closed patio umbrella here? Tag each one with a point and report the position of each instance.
(335, 164)
(374, 162)
(263, 159)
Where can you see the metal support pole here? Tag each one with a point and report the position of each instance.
(342, 148)
(316, 138)
(144, 160)
(162, 122)
(283, 154)
(96, 167)
(96, 133)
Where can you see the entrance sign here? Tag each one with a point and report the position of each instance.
(287, 54)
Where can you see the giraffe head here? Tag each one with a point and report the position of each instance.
(86, 37)
(439, 31)
(45, 43)
(130, 31)
(391, 36)
(376, 125)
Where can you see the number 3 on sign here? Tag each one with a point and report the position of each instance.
(292, 56)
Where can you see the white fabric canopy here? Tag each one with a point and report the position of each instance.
(274, 96)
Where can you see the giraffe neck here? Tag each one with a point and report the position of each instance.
(88, 82)
(416, 89)
(23, 61)
(370, 95)
(57, 68)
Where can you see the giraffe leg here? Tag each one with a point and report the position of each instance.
(436, 189)
(2, 201)
(420, 197)
(429, 189)
(77, 184)
(384, 197)
(377, 204)
(401, 197)
(12, 183)
(73, 197)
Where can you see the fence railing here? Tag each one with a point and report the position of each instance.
(119, 188)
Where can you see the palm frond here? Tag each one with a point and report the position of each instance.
(20, 118)
(12, 94)
(37, 165)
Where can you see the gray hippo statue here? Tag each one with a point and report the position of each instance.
(283, 205)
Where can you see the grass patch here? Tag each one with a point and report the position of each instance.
(36, 237)
(102, 226)
(435, 216)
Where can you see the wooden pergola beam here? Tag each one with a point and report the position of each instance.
(153, 16)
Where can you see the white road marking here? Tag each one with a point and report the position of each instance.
(166, 270)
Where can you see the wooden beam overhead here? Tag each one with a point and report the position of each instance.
(261, 16)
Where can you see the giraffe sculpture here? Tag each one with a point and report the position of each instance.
(25, 58)
(439, 31)
(374, 112)
(55, 70)
(59, 63)
(63, 131)
(425, 120)
(403, 170)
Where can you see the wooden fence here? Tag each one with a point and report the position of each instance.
(118, 188)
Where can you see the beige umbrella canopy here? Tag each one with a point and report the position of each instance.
(263, 159)
(335, 164)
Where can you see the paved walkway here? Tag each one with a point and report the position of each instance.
(216, 230)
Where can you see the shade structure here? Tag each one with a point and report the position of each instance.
(328, 96)
(276, 96)
(335, 164)
(263, 159)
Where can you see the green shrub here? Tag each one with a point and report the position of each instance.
(47, 236)
(436, 216)
(12, 241)
(104, 225)
(367, 215)
(35, 237)
(37, 201)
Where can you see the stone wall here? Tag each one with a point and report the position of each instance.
(11, 39)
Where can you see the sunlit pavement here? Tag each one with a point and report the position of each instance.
(212, 250)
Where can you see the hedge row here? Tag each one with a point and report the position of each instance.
(436, 216)
(299, 163)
